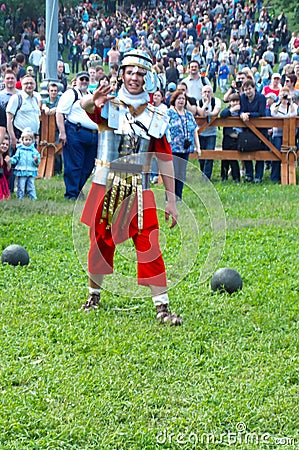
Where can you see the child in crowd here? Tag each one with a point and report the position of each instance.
(5, 168)
(26, 161)
(49, 105)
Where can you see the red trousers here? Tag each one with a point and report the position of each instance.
(103, 240)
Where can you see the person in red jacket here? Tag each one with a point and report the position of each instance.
(5, 168)
(120, 204)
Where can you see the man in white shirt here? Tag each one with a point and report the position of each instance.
(23, 111)
(195, 82)
(35, 59)
(79, 137)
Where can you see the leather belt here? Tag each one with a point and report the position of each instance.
(123, 167)
(78, 127)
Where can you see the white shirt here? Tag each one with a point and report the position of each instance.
(28, 114)
(35, 57)
(195, 86)
(212, 131)
(73, 111)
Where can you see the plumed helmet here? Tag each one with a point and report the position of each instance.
(139, 58)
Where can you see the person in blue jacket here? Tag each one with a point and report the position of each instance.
(26, 161)
(252, 104)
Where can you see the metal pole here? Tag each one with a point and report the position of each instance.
(51, 39)
(51, 48)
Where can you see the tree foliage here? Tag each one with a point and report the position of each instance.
(14, 16)
(29, 8)
(291, 10)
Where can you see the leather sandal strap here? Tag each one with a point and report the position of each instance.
(165, 316)
(92, 303)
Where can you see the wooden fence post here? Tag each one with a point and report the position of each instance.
(284, 172)
(47, 147)
(292, 154)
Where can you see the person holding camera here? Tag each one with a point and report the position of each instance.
(184, 138)
(208, 107)
(285, 107)
(236, 86)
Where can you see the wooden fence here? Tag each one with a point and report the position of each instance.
(47, 147)
(288, 155)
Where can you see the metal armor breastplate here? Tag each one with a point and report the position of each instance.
(129, 142)
(123, 164)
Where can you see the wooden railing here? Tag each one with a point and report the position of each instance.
(288, 154)
(47, 147)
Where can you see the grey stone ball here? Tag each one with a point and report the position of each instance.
(226, 279)
(15, 255)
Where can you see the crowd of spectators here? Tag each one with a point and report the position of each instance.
(194, 45)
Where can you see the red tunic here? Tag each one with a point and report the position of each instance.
(151, 267)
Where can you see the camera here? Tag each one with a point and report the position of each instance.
(187, 144)
(239, 84)
(285, 96)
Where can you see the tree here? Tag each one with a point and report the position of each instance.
(14, 15)
(31, 8)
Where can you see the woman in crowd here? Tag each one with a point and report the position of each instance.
(287, 70)
(5, 168)
(104, 80)
(172, 73)
(290, 81)
(274, 86)
(158, 100)
(285, 107)
(184, 138)
(266, 72)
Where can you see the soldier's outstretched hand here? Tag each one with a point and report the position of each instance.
(101, 95)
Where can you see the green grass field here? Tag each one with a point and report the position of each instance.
(114, 378)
